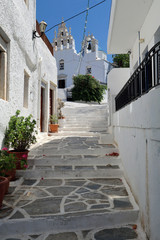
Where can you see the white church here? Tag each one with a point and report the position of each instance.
(69, 63)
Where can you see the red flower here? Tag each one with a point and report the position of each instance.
(4, 149)
(134, 227)
(113, 154)
(24, 156)
(42, 178)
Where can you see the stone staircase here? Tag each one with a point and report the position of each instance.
(71, 189)
(84, 119)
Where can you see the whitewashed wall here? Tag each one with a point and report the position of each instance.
(71, 60)
(147, 32)
(17, 21)
(16, 25)
(47, 75)
(117, 77)
(136, 130)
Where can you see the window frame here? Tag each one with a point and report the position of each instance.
(3, 69)
(26, 90)
(61, 64)
(27, 3)
(64, 83)
(88, 72)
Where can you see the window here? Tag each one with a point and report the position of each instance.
(3, 70)
(27, 2)
(89, 70)
(62, 34)
(61, 83)
(62, 42)
(61, 64)
(26, 87)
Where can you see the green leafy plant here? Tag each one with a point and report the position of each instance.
(87, 88)
(7, 161)
(20, 133)
(121, 60)
(53, 119)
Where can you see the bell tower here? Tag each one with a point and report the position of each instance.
(63, 39)
(90, 44)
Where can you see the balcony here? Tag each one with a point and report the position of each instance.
(146, 77)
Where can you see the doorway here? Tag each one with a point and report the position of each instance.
(51, 99)
(42, 109)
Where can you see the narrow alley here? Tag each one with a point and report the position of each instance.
(74, 187)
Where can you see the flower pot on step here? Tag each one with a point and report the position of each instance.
(53, 128)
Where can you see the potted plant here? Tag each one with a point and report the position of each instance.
(19, 135)
(3, 183)
(53, 123)
(7, 164)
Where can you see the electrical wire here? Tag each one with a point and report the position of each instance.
(83, 44)
(76, 15)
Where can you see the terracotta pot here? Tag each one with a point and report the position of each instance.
(3, 184)
(53, 127)
(20, 156)
(11, 173)
(7, 184)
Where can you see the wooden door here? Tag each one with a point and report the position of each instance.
(51, 102)
(42, 110)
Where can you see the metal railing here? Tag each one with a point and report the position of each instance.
(145, 77)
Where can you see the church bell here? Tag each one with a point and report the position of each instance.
(89, 46)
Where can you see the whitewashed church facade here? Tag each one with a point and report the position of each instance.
(70, 63)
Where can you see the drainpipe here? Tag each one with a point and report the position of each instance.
(139, 47)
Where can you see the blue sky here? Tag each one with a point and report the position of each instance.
(52, 12)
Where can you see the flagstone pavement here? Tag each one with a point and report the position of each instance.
(71, 190)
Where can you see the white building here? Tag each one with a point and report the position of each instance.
(69, 63)
(135, 28)
(28, 73)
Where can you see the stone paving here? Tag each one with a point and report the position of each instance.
(32, 198)
(123, 233)
(71, 190)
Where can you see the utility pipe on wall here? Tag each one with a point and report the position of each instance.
(139, 47)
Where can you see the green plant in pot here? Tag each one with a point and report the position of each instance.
(7, 166)
(7, 163)
(53, 123)
(19, 136)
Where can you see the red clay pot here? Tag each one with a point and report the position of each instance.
(7, 184)
(11, 173)
(3, 185)
(53, 127)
